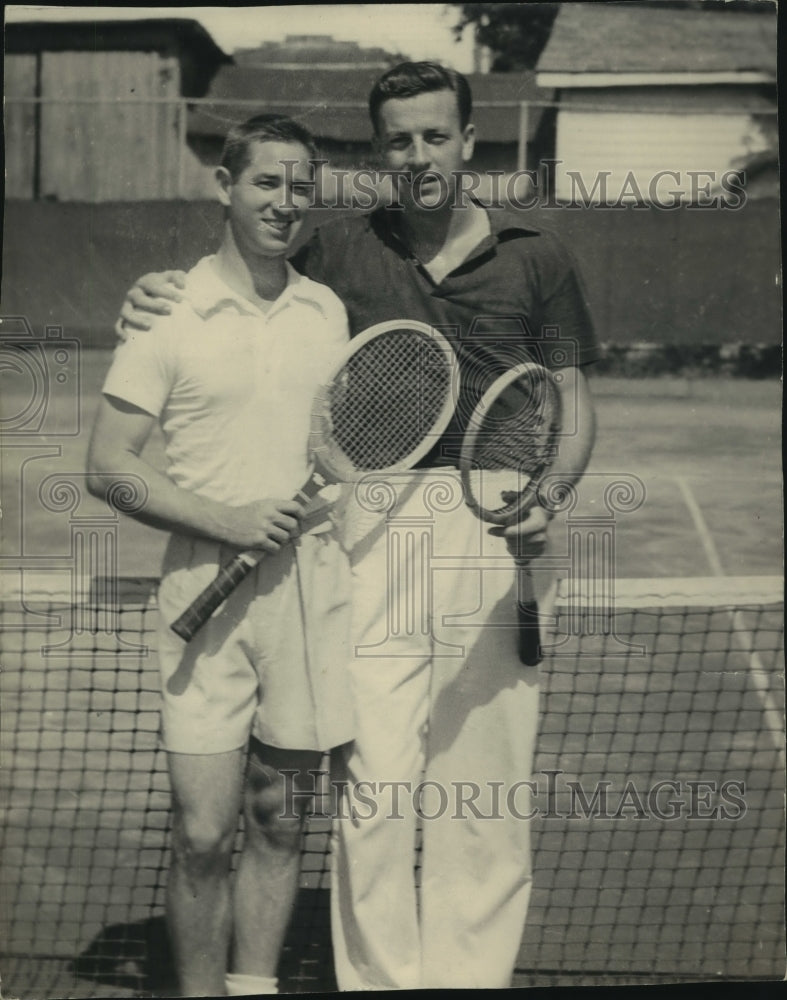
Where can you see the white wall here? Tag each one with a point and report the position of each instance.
(619, 153)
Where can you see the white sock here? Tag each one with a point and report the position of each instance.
(238, 985)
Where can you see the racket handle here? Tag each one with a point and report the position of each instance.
(528, 620)
(229, 576)
(529, 634)
(227, 579)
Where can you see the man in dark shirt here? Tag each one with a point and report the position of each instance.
(447, 714)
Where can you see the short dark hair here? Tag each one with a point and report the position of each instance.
(236, 154)
(411, 78)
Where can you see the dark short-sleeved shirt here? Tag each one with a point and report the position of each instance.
(516, 297)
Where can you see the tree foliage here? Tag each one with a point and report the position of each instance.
(516, 33)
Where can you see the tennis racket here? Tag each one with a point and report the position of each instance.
(510, 442)
(390, 396)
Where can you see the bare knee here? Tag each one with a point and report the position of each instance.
(276, 802)
(201, 844)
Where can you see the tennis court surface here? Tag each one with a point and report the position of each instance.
(659, 839)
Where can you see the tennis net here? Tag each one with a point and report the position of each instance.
(658, 835)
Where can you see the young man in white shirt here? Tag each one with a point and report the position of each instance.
(230, 376)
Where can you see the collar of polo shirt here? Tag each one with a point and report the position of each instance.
(208, 293)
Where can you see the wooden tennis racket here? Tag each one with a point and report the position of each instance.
(389, 398)
(509, 444)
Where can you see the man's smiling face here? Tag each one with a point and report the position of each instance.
(423, 135)
(267, 199)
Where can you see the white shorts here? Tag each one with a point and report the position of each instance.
(271, 662)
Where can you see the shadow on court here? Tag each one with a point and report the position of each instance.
(132, 956)
(137, 956)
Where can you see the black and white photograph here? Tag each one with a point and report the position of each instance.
(402, 385)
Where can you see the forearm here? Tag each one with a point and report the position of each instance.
(119, 435)
(576, 443)
(527, 538)
(162, 504)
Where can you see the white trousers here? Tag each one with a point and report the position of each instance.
(446, 726)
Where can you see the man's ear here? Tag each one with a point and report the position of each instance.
(223, 180)
(468, 142)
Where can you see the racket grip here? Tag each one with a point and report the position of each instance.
(203, 606)
(528, 618)
(529, 633)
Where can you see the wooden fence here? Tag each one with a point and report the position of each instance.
(686, 277)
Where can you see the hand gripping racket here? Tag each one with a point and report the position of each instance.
(389, 398)
(509, 443)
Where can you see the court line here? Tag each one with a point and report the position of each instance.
(741, 634)
(706, 539)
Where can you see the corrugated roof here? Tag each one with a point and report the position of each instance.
(629, 38)
(312, 97)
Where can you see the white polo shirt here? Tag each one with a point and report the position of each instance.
(231, 385)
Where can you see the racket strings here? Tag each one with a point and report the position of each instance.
(517, 433)
(514, 441)
(388, 397)
(518, 451)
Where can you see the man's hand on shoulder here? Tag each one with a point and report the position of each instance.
(152, 295)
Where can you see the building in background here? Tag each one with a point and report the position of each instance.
(316, 79)
(316, 52)
(332, 103)
(113, 131)
(95, 110)
(643, 90)
(138, 110)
